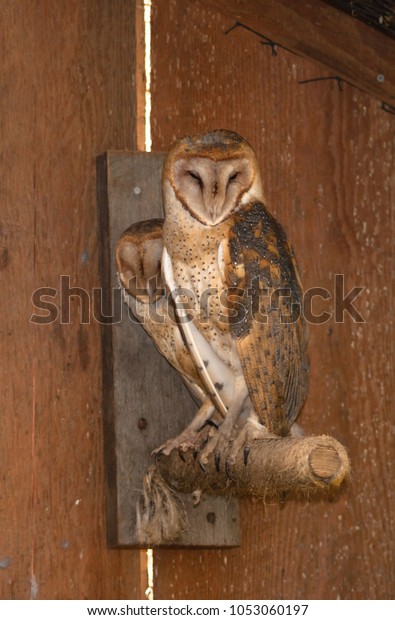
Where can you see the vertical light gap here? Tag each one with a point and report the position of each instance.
(147, 69)
(33, 583)
(149, 592)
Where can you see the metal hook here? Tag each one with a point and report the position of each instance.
(266, 41)
(320, 79)
(387, 107)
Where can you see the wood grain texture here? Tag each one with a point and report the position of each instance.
(350, 49)
(327, 158)
(66, 97)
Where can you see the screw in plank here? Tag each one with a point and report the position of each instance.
(142, 424)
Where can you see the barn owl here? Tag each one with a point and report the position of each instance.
(223, 246)
(138, 256)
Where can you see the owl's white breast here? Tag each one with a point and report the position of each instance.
(193, 250)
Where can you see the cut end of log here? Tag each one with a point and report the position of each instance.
(325, 462)
(329, 464)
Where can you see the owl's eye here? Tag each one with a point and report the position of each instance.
(233, 177)
(197, 177)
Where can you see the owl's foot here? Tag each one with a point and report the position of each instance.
(242, 441)
(251, 431)
(216, 445)
(226, 444)
(189, 440)
(183, 442)
(194, 436)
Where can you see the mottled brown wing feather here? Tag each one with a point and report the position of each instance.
(265, 315)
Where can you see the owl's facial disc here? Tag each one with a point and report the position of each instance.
(212, 190)
(139, 268)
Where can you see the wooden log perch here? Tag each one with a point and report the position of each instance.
(275, 466)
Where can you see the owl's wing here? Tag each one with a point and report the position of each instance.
(137, 250)
(265, 315)
(194, 341)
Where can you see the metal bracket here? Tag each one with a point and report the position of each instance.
(145, 401)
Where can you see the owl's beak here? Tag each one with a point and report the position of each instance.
(214, 211)
(214, 198)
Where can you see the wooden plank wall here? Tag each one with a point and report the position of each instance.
(67, 96)
(327, 159)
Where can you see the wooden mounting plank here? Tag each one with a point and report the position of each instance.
(350, 49)
(145, 401)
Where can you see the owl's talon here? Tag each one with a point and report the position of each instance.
(202, 467)
(228, 464)
(181, 455)
(283, 497)
(217, 459)
(211, 423)
(246, 453)
(204, 442)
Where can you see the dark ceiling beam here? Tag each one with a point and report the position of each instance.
(350, 49)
